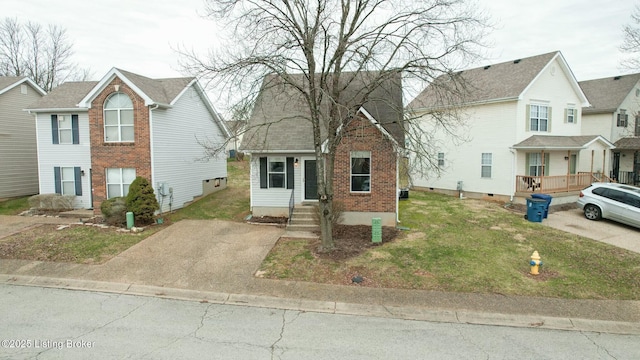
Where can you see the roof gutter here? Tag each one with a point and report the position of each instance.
(473, 103)
(75, 109)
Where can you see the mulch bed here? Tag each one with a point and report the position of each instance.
(268, 220)
(352, 240)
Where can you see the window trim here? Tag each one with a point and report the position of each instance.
(571, 114)
(538, 118)
(622, 118)
(55, 129)
(484, 165)
(264, 173)
(440, 159)
(119, 126)
(359, 155)
(121, 184)
(277, 159)
(59, 182)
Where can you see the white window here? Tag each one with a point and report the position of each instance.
(361, 171)
(68, 180)
(118, 181)
(623, 118)
(118, 118)
(539, 118)
(277, 172)
(441, 159)
(536, 165)
(65, 130)
(571, 116)
(487, 162)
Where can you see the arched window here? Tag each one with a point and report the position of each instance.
(118, 118)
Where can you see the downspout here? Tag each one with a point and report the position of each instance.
(151, 148)
(513, 173)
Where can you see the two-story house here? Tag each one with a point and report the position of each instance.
(18, 155)
(519, 132)
(614, 113)
(95, 138)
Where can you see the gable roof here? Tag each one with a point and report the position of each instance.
(628, 143)
(161, 92)
(607, 94)
(544, 142)
(506, 81)
(65, 96)
(280, 120)
(9, 82)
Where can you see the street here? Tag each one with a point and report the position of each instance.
(47, 323)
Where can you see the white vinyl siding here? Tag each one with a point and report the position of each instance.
(178, 158)
(52, 155)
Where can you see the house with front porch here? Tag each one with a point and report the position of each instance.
(279, 139)
(519, 132)
(614, 113)
(95, 137)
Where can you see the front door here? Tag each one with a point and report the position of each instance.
(310, 180)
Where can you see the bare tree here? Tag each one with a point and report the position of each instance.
(631, 42)
(43, 54)
(315, 47)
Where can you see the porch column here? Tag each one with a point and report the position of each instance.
(542, 175)
(568, 168)
(604, 157)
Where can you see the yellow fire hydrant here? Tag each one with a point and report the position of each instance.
(535, 263)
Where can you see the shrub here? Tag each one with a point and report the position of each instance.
(142, 201)
(52, 202)
(114, 211)
(338, 212)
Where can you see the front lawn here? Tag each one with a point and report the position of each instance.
(469, 246)
(14, 206)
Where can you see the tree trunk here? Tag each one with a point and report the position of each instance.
(326, 203)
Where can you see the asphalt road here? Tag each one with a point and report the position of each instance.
(47, 323)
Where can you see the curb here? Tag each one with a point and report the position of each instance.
(330, 307)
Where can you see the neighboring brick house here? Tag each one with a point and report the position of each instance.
(18, 155)
(279, 138)
(95, 138)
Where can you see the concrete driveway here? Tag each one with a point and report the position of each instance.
(190, 254)
(573, 221)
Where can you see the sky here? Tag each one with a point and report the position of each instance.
(140, 35)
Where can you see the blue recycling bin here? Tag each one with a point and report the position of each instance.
(547, 199)
(535, 209)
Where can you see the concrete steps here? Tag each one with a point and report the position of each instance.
(304, 219)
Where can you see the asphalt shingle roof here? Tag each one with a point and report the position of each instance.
(628, 143)
(280, 120)
(607, 94)
(6, 81)
(492, 82)
(69, 94)
(554, 142)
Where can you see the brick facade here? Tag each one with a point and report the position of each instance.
(117, 155)
(362, 135)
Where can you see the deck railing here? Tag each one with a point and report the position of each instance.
(556, 184)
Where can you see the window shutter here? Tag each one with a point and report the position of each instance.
(546, 164)
(57, 176)
(289, 173)
(549, 112)
(626, 119)
(74, 129)
(78, 180)
(528, 118)
(263, 173)
(54, 129)
(566, 115)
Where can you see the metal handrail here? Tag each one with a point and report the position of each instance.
(291, 207)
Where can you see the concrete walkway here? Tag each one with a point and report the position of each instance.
(215, 261)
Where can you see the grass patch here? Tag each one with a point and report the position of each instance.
(79, 243)
(231, 203)
(14, 206)
(471, 246)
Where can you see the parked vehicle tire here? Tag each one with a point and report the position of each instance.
(592, 212)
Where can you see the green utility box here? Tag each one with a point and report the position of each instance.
(376, 230)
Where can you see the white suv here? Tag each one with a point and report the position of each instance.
(612, 201)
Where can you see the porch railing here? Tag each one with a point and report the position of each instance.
(556, 184)
(291, 207)
(624, 177)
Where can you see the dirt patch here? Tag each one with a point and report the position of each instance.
(351, 241)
